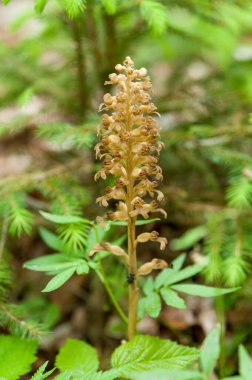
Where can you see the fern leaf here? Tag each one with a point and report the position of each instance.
(235, 270)
(21, 220)
(12, 317)
(74, 7)
(155, 14)
(239, 193)
(5, 280)
(41, 374)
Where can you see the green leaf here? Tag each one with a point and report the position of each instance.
(138, 222)
(150, 305)
(74, 7)
(163, 276)
(96, 235)
(50, 239)
(202, 290)
(146, 353)
(16, 355)
(178, 262)
(189, 239)
(41, 374)
(210, 351)
(78, 356)
(148, 286)
(153, 305)
(64, 219)
(5, 2)
(82, 268)
(169, 277)
(60, 279)
(55, 263)
(40, 5)
(245, 364)
(172, 299)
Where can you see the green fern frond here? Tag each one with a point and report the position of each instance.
(224, 156)
(239, 193)
(5, 280)
(235, 270)
(213, 247)
(69, 135)
(155, 14)
(74, 236)
(41, 374)
(12, 317)
(74, 7)
(66, 196)
(21, 220)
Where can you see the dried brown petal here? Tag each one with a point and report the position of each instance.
(154, 264)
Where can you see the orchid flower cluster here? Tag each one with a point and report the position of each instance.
(128, 149)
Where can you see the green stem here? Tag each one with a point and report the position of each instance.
(220, 307)
(102, 277)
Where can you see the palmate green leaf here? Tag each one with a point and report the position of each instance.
(95, 235)
(56, 263)
(148, 286)
(78, 356)
(74, 7)
(178, 262)
(145, 353)
(40, 5)
(51, 240)
(210, 351)
(202, 290)
(171, 298)
(170, 276)
(64, 219)
(245, 364)
(138, 222)
(59, 280)
(41, 374)
(16, 356)
(150, 305)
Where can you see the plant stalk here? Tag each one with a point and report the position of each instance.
(132, 268)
